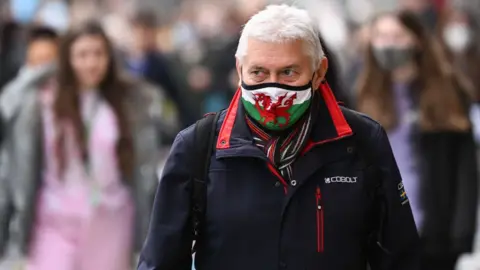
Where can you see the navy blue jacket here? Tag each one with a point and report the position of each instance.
(347, 196)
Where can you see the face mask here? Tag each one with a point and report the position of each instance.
(390, 58)
(457, 37)
(276, 106)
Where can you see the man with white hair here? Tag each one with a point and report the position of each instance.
(291, 179)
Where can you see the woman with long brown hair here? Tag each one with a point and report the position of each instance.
(86, 179)
(409, 87)
(459, 33)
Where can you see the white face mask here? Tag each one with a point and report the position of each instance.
(457, 37)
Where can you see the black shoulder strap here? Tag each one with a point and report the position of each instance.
(205, 130)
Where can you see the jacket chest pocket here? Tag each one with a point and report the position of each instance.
(344, 190)
(342, 199)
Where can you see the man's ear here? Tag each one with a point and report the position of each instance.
(320, 73)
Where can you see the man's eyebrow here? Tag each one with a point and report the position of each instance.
(256, 67)
(294, 66)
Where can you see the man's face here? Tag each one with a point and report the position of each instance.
(285, 63)
(42, 51)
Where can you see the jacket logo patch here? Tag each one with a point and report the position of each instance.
(403, 193)
(340, 179)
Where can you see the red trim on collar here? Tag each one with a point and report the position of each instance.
(223, 141)
(338, 119)
(311, 144)
(342, 127)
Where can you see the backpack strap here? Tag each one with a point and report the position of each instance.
(204, 132)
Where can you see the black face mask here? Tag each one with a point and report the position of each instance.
(390, 58)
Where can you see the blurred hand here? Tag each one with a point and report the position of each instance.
(199, 78)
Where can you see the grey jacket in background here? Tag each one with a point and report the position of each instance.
(21, 155)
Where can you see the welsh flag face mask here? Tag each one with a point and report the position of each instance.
(276, 106)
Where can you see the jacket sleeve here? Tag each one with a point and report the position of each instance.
(397, 242)
(169, 240)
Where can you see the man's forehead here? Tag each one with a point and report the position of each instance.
(275, 55)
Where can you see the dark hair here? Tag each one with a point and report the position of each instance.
(41, 33)
(145, 18)
(437, 87)
(112, 88)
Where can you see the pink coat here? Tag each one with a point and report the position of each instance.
(75, 229)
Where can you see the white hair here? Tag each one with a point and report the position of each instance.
(279, 24)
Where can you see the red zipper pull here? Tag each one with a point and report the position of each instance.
(320, 225)
(318, 196)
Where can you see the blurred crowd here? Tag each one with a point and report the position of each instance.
(161, 65)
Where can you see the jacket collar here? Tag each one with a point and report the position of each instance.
(330, 124)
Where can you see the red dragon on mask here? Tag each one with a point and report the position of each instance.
(271, 111)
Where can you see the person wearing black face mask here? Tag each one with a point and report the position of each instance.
(406, 87)
(393, 57)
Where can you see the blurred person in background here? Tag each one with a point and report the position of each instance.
(218, 27)
(21, 14)
(144, 59)
(406, 86)
(459, 33)
(42, 50)
(205, 36)
(80, 161)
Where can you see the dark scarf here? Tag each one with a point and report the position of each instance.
(283, 148)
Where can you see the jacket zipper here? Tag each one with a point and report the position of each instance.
(320, 225)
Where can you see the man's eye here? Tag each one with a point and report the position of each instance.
(257, 72)
(288, 72)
